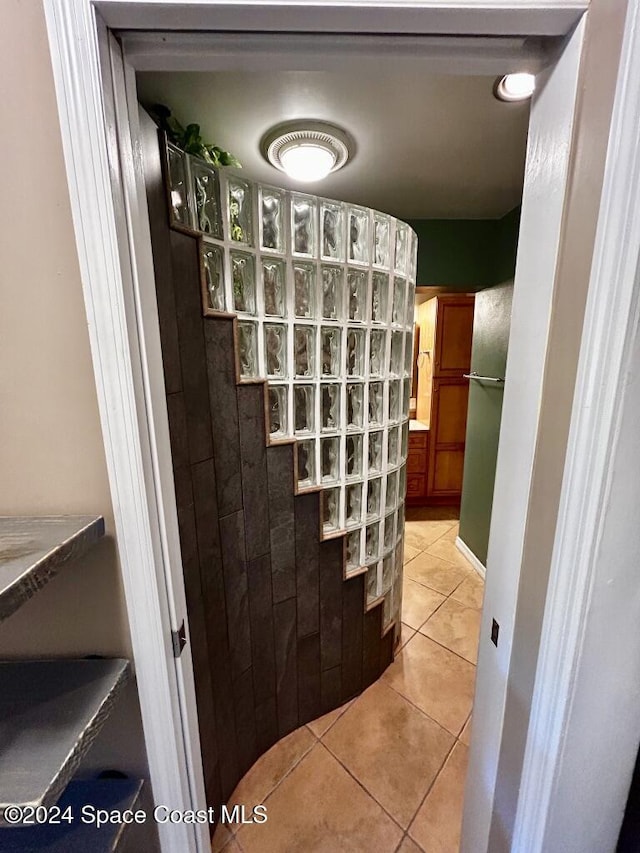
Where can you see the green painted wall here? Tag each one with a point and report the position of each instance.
(466, 254)
(491, 323)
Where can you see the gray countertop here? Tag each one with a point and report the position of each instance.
(33, 550)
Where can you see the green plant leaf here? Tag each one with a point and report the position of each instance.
(227, 159)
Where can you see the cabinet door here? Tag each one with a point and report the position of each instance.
(454, 332)
(448, 431)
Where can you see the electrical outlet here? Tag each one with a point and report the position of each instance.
(495, 630)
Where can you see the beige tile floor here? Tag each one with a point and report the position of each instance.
(385, 772)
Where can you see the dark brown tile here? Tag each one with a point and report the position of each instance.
(253, 456)
(245, 720)
(282, 522)
(372, 632)
(307, 563)
(352, 624)
(220, 358)
(331, 688)
(261, 613)
(266, 724)
(186, 278)
(309, 704)
(236, 591)
(178, 437)
(284, 626)
(331, 583)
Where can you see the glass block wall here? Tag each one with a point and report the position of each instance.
(323, 293)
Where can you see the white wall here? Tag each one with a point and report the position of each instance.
(51, 453)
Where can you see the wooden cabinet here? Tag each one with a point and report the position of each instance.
(445, 326)
(417, 460)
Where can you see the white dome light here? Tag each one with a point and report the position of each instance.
(515, 87)
(307, 150)
(307, 162)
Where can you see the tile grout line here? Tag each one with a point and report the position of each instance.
(364, 788)
(423, 712)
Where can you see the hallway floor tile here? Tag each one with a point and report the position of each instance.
(385, 772)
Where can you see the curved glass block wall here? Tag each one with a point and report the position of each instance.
(323, 292)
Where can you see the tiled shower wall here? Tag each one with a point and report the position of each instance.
(324, 296)
(278, 635)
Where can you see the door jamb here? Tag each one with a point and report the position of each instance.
(72, 28)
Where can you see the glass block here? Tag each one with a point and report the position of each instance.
(331, 350)
(379, 293)
(244, 282)
(395, 356)
(277, 411)
(404, 444)
(330, 407)
(413, 257)
(392, 446)
(306, 462)
(206, 190)
(389, 529)
(357, 295)
(330, 459)
(353, 550)
(332, 291)
(304, 408)
(375, 452)
(401, 247)
(394, 400)
(374, 489)
(397, 596)
(355, 352)
(372, 542)
(212, 264)
(332, 221)
(248, 349)
(377, 352)
(354, 455)
(391, 490)
(387, 573)
(406, 397)
(398, 309)
(275, 349)
(272, 214)
(304, 289)
(400, 517)
(178, 191)
(376, 410)
(372, 583)
(408, 353)
(303, 214)
(274, 287)
(330, 509)
(355, 405)
(353, 504)
(358, 235)
(411, 304)
(402, 484)
(240, 211)
(304, 350)
(399, 554)
(381, 240)
(387, 609)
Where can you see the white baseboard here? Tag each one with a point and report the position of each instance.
(468, 553)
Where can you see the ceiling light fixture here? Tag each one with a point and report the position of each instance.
(307, 150)
(515, 87)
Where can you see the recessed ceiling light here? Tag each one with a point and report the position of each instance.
(307, 150)
(515, 87)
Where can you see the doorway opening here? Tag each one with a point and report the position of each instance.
(434, 621)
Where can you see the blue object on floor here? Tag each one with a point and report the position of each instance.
(78, 837)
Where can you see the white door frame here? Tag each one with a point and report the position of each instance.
(109, 237)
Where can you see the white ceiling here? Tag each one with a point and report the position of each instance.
(427, 146)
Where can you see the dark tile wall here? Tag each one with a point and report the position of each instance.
(278, 637)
